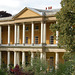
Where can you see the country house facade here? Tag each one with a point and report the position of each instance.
(29, 32)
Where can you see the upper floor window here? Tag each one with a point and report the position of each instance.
(51, 39)
(36, 27)
(26, 40)
(36, 39)
(26, 29)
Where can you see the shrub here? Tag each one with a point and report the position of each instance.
(2, 72)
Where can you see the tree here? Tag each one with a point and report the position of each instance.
(66, 25)
(4, 14)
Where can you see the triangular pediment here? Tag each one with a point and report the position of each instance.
(25, 13)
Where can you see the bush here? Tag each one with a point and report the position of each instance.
(2, 72)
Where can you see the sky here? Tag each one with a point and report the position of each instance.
(15, 6)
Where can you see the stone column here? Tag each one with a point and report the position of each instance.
(44, 33)
(18, 34)
(56, 37)
(32, 33)
(0, 59)
(23, 33)
(23, 59)
(8, 59)
(41, 55)
(15, 39)
(32, 56)
(0, 35)
(41, 32)
(56, 60)
(41, 58)
(15, 59)
(8, 34)
(18, 62)
(44, 56)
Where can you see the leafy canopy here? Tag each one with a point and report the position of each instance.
(66, 25)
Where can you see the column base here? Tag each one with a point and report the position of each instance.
(9, 44)
(32, 44)
(15, 44)
(23, 44)
(18, 43)
(43, 44)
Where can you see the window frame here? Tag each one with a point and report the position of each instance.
(51, 40)
(36, 39)
(26, 29)
(26, 40)
(36, 27)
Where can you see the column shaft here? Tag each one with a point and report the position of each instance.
(18, 34)
(18, 62)
(0, 59)
(41, 58)
(32, 33)
(15, 34)
(8, 34)
(56, 60)
(23, 33)
(23, 59)
(41, 55)
(14, 59)
(8, 59)
(56, 37)
(0, 35)
(41, 32)
(45, 33)
(32, 56)
(44, 56)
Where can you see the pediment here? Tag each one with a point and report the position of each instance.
(26, 13)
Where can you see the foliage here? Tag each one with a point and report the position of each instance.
(4, 14)
(65, 69)
(66, 25)
(39, 66)
(4, 67)
(2, 72)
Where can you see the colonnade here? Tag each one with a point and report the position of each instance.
(17, 59)
(17, 34)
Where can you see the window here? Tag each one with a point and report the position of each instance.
(26, 28)
(36, 27)
(36, 39)
(51, 39)
(51, 61)
(26, 40)
(26, 58)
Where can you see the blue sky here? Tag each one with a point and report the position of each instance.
(14, 6)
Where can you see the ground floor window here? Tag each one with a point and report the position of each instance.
(26, 59)
(51, 61)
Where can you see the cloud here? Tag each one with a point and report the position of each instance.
(14, 6)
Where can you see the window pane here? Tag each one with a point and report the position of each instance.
(26, 28)
(26, 40)
(36, 39)
(51, 39)
(36, 27)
